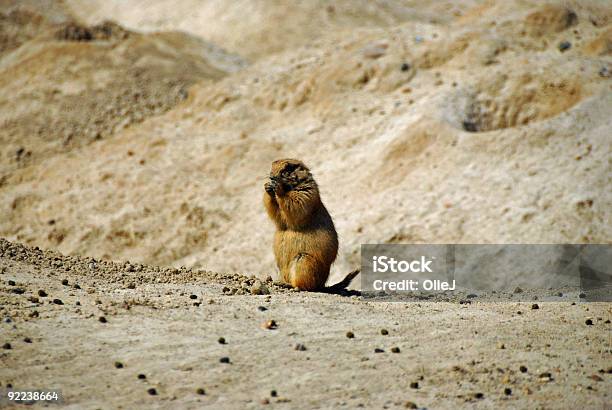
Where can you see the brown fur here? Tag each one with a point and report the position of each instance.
(305, 242)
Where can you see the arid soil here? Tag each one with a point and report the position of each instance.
(166, 324)
(143, 131)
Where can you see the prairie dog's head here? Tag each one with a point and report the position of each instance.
(292, 174)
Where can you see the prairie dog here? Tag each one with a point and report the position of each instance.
(305, 242)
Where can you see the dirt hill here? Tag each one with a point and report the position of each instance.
(489, 123)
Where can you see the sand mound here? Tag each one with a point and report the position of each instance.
(476, 130)
(67, 84)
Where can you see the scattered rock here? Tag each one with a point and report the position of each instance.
(200, 391)
(410, 405)
(259, 288)
(7, 346)
(58, 301)
(405, 67)
(142, 376)
(523, 369)
(500, 345)
(350, 335)
(414, 385)
(102, 319)
(193, 297)
(507, 391)
(42, 293)
(269, 324)
(535, 306)
(65, 282)
(518, 290)
(224, 359)
(395, 350)
(19, 291)
(384, 332)
(152, 391)
(221, 340)
(119, 365)
(596, 378)
(300, 347)
(11, 283)
(262, 308)
(273, 393)
(564, 46)
(589, 322)
(545, 377)
(27, 340)
(378, 350)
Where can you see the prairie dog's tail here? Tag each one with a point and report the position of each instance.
(344, 283)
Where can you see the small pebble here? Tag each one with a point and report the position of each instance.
(142, 376)
(65, 282)
(410, 405)
(224, 359)
(350, 335)
(300, 347)
(27, 340)
(152, 391)
(102, 319)
(11, 283)
(523, 369)
(378, 350)
(7, 346)
(262, 308)
(273, 393)
(77, 286)
(405, 67)
(42, 293)
(518, 290)
(588, 322)
(414, 385)
(564, 46)
(501, 346)
(395, 350)
(507, 391)
(545, 377)
(384, 332)
(131, 285)
(535, 306)
(193, 296)
(221, 340)
(119, 365)
(200, 391)
(269, 324)
(58, 301)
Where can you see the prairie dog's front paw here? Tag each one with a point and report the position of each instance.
(270, 187)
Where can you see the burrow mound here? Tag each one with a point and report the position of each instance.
(506, 102)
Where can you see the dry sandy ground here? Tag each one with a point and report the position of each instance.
(459, 354)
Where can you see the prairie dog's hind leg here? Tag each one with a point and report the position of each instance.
(307, 273)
